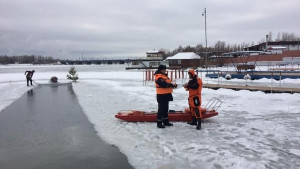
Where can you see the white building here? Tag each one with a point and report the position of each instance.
(284, 45)
(153, 60)
(184, 60)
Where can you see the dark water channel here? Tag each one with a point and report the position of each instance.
(46, 128)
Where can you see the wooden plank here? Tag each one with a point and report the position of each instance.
(284, 69)
(130, 68)
(266, 89)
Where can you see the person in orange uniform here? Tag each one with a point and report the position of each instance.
(164, 89)
(194, 86)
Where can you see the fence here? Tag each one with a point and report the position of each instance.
(174, 75)
(181, 76)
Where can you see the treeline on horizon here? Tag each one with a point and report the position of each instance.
(27, 59)
(222, 47)
(217, 49)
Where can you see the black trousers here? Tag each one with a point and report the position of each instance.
(163, 109)
(29, 79)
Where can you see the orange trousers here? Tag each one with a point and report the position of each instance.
(195, 106)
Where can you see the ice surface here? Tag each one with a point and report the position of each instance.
(253, 129)
(10, 92)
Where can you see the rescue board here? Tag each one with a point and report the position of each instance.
(150, 116)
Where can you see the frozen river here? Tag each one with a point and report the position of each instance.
(46, 128)
(253, 129)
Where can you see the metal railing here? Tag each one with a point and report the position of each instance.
(213, 104)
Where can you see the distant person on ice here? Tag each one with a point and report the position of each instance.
(194, 86)
(29, 76)
(164, 89)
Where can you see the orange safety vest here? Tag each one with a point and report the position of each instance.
(160, 90)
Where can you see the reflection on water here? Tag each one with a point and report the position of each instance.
(70, 89)
(30, 93)
(54, 88)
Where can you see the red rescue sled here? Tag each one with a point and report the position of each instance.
(144, 116)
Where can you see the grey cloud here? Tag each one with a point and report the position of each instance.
(114, 28)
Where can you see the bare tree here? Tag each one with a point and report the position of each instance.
(199, 47)
(220, 46)
(26, 59)
(285, 36)
(270, 36)
(278, 37)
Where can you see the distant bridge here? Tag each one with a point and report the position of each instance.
(96, 62)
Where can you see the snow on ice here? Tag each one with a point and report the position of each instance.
(253, 129)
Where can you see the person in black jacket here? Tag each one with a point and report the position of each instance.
(164, 89)
(29, 76)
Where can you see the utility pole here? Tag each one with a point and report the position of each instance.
(204, 14)
(267, 39)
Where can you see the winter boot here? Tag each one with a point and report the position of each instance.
(167, 123)
(199, 124)
(160, 125)
(193, 122)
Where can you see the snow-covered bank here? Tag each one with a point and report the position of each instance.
(253, 130)
(11, 92)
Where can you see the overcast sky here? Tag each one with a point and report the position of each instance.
(129, 28)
